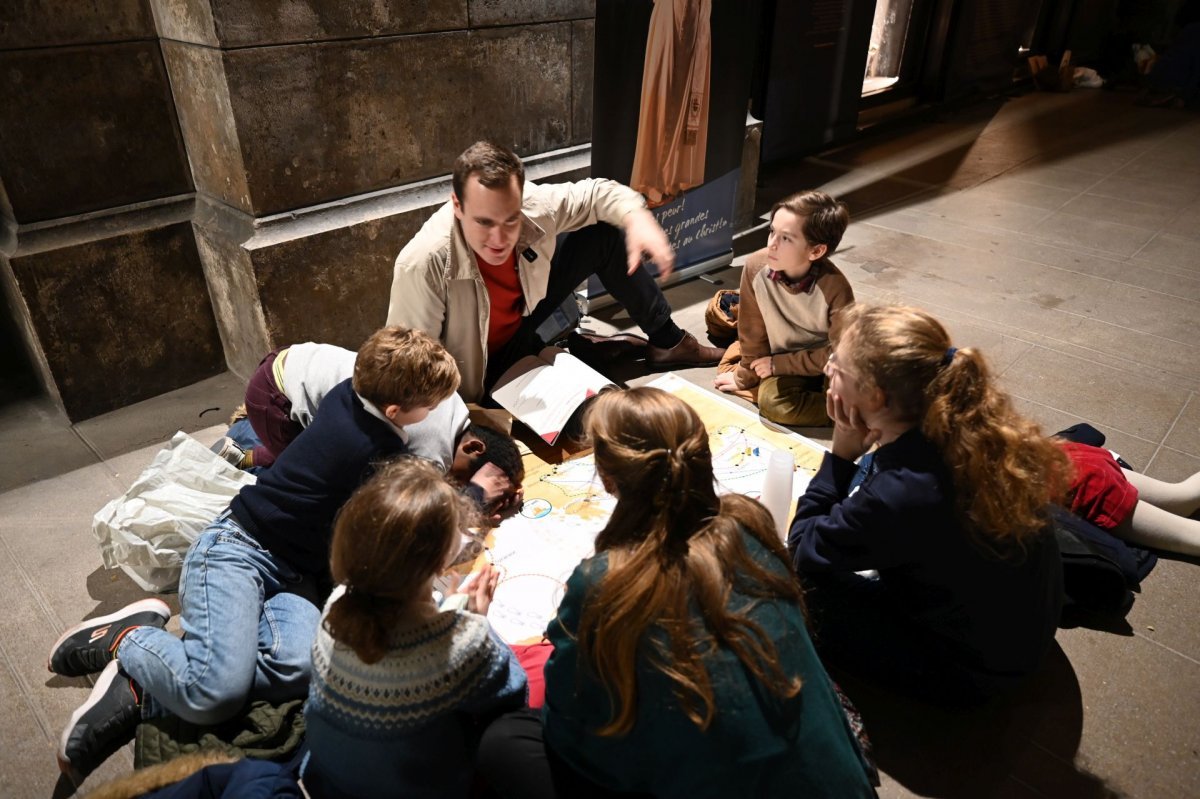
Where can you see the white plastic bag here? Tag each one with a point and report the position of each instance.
(147, 530)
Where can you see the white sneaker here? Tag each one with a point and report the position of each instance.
(228, 450)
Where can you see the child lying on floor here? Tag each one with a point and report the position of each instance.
(286, 390)
(1132, 506)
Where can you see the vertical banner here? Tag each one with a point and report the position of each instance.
(671, 88)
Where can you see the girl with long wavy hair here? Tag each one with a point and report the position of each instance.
(682, 666)
(401, 689)
(952, 515)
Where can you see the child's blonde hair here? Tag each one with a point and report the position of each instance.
(1004, 471)
(405, 367)
(390, 538)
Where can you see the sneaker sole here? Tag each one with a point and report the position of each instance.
(110, 673)
(142, 606)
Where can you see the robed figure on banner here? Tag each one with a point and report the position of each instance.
(673, 125)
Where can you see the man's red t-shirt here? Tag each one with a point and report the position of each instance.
(504, 291)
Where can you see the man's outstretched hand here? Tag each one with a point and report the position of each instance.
(644, 236)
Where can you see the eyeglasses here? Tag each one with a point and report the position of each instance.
(832, 365)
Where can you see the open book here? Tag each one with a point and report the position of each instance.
(544, 390)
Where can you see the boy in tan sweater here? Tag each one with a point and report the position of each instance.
(791, 294)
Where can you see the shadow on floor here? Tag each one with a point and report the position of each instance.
(113, 590)
(1027, 740)
(891, 169)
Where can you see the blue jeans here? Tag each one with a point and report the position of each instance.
(245, 635)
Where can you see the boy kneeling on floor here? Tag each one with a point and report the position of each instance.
(253, 582)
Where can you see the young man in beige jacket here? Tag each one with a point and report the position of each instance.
(487, 272)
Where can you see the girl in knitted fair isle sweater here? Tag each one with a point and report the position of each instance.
(399, 687)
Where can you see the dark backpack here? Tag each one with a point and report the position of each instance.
(1100, 571)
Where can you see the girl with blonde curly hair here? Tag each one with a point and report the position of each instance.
(951, 516)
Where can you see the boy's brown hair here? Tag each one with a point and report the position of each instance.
(405, 367)
(825, 219)
(494, 165)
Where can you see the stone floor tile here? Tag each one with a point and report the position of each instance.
(1055, 177)
(1023, 192)
(1022, 746)
(1186, 223)
(1115, 209)
(1091, 234)
(1000, 350)
(1166, 163)
(976, 239)
(884, 191)
(1132, 351)
(28, 766)
(153, 421)
(1185, 435)
(1102, 396)
(1103, 160)
(1140, 712)
(1168, 249)
(1136, 451)
(128, 467)
(1172, 465)
(986, 212)
(61, 497)
(26, 633)
(37, 442)
(1127, 184)
(1142, 274)
(1163, 611)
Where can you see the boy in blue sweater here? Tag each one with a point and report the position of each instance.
(253, 582)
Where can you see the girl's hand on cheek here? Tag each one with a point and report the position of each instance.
(851, 435)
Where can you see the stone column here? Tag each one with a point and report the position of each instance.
(321, 134)
(98, 259)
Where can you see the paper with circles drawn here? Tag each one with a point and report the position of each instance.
(565, 507)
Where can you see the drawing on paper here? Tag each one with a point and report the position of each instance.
(565, 507)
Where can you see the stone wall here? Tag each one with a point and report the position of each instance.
(98, 260)
(185, 184)
(320, 134)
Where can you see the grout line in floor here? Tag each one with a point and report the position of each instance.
(1108, 427)
(23, 686)
(1172, 650)
(1170, 429)
(1157, 233)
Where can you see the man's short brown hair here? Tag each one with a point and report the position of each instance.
(494, 165)
(825, 219)
(405, 367)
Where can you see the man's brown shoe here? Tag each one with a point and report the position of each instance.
(688, 352)
(594, 348)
